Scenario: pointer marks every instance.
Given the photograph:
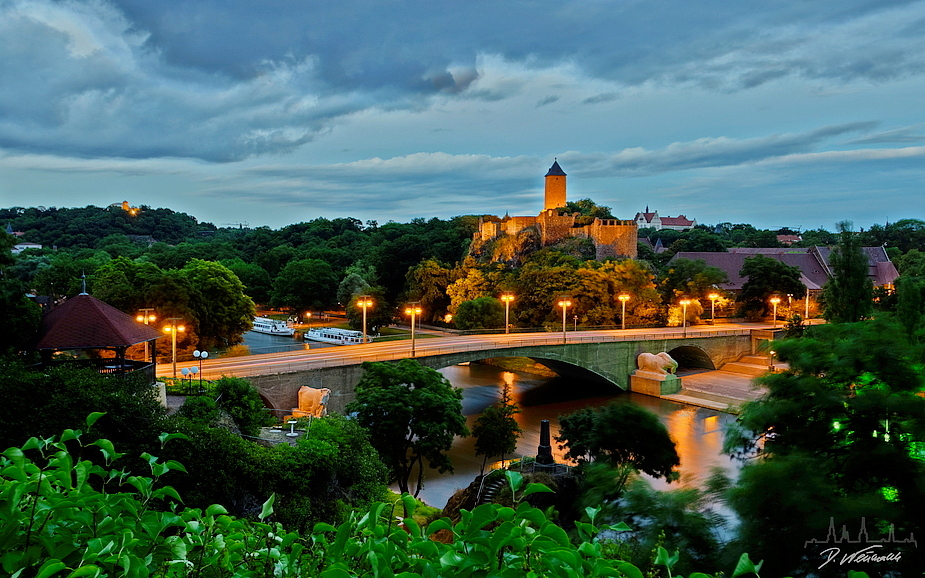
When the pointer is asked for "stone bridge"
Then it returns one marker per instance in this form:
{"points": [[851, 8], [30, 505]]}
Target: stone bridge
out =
{"points": [[610, 359]]}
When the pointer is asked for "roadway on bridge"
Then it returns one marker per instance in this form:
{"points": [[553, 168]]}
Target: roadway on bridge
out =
{"points": [[302, 360]]}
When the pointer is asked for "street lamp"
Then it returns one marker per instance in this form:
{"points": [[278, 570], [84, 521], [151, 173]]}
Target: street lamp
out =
{"points": [[623, 297], [365, 301], [564, 303], [200, 355], [774, 302], [172, 329], [684, 304], [507, 298], [713, 297], [145, 316], [413, 309]]}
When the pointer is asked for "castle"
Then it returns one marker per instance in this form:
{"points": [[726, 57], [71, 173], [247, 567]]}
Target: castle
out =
{"points": [[611, 237]]}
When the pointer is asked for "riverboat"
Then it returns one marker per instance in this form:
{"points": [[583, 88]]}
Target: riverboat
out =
{"points": [[272, 327], [335, 335]]}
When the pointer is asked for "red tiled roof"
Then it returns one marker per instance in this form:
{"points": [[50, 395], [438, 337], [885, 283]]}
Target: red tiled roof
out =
{"points": [[85, 322], [679, 221]]}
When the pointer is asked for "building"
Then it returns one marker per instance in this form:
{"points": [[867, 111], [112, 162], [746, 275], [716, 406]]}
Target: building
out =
{"points": [[813, 263], [652, 220], [611, 237]]}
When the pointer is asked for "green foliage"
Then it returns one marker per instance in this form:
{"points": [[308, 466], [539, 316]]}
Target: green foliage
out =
{"points": [[199, 409], [842, 423], [21, 317], [496, 430], [767, 277], [381, 314], [236, 396], [910, 306], [42, 402], [306, 284], [482, 312], [256, 280], [691, 279], [427, 283], [848, 294], [412, 414], [625, 436], [221, 308], [55, 519]]}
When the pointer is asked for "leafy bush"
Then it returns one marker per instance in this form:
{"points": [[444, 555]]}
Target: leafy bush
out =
{"points": [[55, 520], [200, 409], [236, 396]]}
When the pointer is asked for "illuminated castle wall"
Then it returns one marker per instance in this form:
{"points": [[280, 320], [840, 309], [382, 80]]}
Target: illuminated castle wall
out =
{"points": [[611, 237]]}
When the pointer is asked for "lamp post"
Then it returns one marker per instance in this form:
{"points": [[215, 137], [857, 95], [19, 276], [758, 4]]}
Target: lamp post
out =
{"points": [[413, 309], [145, 316], [623, 297], [774, 302], [713, 297], [365, 301], [200, 355], [172, 329], [684, 304], [507, 298], [564, 303]]}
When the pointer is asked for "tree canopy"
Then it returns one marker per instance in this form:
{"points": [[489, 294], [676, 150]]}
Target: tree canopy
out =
{"points": [[767, 277], [848, 294], [412, 414]]}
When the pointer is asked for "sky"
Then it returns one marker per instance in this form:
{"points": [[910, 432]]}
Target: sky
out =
{"points": [[778, 113]]}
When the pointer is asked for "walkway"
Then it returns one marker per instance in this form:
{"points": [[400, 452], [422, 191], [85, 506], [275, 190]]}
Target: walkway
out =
{"points": [[724, 389]]}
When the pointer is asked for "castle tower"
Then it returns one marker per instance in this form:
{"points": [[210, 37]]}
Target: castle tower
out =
{"points": [[555, 187]]}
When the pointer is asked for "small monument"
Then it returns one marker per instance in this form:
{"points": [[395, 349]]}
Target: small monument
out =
{"points": [[655, 375], [312, 402], [544, 451]]}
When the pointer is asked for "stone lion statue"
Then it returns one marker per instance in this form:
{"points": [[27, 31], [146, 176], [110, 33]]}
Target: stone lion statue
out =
{"points": [[656, 362]]}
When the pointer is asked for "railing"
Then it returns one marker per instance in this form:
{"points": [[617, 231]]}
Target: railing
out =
{"points": [[111, 366]]}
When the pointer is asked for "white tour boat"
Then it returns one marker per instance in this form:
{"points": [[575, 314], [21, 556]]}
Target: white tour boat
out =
{"points": [[272, 327], [335, 335]]}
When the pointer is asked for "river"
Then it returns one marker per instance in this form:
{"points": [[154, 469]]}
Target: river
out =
{"points": [[698, 432]]}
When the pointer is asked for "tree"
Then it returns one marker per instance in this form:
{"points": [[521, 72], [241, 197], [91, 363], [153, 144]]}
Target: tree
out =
{"points": [[350, 286], [848, 294], [481, 313], [21, 317], [380, 314], [496, 431], [767, 277], [303, 285], [412, 414], [838, 435], [256, 280], [428, 282], [223, 312], [625, 436], [689, 278]]}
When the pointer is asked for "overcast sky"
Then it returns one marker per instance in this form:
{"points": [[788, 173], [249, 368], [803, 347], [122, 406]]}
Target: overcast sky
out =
{"points": [[271, 112]]}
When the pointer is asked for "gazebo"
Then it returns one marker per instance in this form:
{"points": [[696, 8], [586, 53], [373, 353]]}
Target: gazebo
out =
{"points": [[84, 322]]}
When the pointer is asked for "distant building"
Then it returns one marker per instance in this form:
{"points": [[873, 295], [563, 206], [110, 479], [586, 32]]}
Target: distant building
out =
{"points": [[611, 237], [813, 263], [788, 239], [20, 247], [652, 220]]}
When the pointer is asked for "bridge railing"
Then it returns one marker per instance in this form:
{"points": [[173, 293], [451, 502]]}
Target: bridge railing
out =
{"points": [[427, 348]]}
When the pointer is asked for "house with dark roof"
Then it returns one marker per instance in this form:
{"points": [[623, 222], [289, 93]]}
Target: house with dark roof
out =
{"points": [[813, 263], [652, 220]]}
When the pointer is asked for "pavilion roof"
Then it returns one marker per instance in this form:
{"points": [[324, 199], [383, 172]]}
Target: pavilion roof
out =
{"points": [[85, 322]]}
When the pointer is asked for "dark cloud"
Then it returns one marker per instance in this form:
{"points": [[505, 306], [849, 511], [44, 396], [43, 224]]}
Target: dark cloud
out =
{"points": [[548, 100], [601, 98], [223, 80], [909, 134]]}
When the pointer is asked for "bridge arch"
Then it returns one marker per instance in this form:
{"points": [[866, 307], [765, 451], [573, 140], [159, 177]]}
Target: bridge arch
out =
{"points": [[691, 357]]}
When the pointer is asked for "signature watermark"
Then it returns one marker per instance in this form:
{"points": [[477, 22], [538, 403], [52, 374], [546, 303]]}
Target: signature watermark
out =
{"points": [[862, 549]]}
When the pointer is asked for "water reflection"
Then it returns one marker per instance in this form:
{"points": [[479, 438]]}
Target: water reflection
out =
{"points": [[696, 431]]}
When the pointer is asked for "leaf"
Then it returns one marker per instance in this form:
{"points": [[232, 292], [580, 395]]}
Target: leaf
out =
{"points": [[267, 509], [746, 566], [51, 567], [216, 510], [88, 570], [629, 570], [514, 480], [437, 525], [536, 489], [69, 434], [93, 417], [166, 437], [592, 513]]}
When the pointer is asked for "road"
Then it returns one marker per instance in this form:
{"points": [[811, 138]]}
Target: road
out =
{"points": [[286, 362]]}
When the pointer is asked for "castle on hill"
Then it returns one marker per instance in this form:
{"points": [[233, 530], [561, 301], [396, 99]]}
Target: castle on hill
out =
{"points": [[611, 237]]}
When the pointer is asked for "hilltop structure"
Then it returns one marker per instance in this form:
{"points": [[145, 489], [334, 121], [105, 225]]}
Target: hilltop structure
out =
{"points": [[611, 237], [654, 221]]}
